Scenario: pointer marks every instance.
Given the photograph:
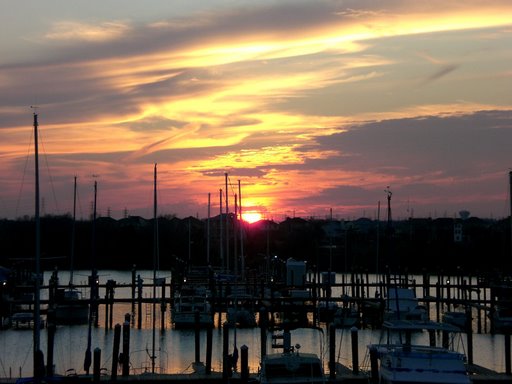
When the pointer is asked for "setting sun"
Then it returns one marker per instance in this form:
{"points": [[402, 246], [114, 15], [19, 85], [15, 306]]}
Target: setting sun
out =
{"points": [[251, 217]]}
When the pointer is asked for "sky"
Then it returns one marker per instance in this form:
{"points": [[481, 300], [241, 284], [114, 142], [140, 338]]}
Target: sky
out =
{"points": [[311, 108]]}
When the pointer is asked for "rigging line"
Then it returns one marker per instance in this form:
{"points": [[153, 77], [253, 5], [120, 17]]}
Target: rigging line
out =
{"points": [[3, 367], [233, 191], [24, 173], [49, 173], [29, 350], [339, 346]]}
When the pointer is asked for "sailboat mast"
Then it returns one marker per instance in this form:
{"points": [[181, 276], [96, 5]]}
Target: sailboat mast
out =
{"points": [[208, 231], [37, 314], [71, 267], [227, 222], [242, 256], [155, 266], [221, 232]]}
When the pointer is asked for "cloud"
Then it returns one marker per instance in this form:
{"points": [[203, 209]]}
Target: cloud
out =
{"points": [[79, 31], [306, 100]]}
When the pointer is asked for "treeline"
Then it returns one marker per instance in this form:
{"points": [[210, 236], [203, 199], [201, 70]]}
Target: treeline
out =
{"points": [[415, 245]]}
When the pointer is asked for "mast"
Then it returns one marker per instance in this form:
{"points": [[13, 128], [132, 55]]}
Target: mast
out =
{"points": [[93, 310], [155, 266], [208, 232], [221, 234], [242, 257], [227, 222], [37, 311], [73, 236], [235, 247], [510, 197]]}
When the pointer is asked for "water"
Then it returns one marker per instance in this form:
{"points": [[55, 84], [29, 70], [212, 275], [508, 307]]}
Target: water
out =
{"points": [[175, 348]]}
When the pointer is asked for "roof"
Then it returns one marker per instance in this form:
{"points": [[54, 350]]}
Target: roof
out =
{"points": [[411, 325]]}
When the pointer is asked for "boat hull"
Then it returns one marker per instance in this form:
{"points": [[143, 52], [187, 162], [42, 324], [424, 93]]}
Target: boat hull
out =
{"points": [[69, 314]]}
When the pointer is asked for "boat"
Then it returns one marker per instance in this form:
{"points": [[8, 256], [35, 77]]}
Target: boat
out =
{"points": [[70, 307], [400, 361], [501, 318], [190, 302], [22, 320], [290, 366], [326, 310], [457, 318], [402, 304], [346, 317], [240, 311]]}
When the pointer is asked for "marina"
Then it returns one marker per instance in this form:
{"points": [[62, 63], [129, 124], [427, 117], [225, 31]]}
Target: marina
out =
{"points": [[183, 351]]}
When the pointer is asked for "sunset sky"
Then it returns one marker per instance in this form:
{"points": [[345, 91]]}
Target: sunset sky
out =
{"points": [[311, 105]]}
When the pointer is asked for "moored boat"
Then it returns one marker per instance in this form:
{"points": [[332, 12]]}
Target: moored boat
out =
{"points": [[192, 308], [402, 304], [70, 307], [346, 317], [291, 366], [240, 311], [457, 318], [401, 361]]}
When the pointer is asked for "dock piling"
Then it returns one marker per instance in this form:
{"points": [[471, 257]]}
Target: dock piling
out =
{"points": [[332, 352], [209, 341], [115, 352], [226, 366], [197, 335], [96, 365], [126, 346], [244, 360], [355, 350]]}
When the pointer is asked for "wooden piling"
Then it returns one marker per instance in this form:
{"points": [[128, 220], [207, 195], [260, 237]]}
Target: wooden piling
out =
{"points": [[226, 363], [508, 369], [139, 301], [263, 319], [197, 336], [51, 327], [355, 350], [163, 307], [469, 334], [134, 285], [209, 342], [244, 360], [96, 365], [126, 346], [115, 352], [332, 352], [374, 365]]}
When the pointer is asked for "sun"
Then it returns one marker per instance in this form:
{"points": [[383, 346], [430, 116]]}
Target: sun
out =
{"points": [[251, 217]]}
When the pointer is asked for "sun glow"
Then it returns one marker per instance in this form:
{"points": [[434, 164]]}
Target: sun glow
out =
{"points": [[251, 217]]}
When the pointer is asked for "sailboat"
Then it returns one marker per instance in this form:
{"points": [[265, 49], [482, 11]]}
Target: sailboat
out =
{"points": [[71, 307], [39, 368]]}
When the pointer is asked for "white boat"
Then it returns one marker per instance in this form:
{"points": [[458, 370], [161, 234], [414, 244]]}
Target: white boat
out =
{"points": [[291, 366], [346, 317], [457, 318], [189, 303], [401, 361], [402, 304], [501, 319]]}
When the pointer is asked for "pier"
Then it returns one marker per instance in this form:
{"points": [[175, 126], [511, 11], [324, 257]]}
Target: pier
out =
{"points": [[477, 295]]}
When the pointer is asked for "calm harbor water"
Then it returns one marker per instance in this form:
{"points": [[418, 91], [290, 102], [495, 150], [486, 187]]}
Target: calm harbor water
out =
{"points": [[175, 348]]}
